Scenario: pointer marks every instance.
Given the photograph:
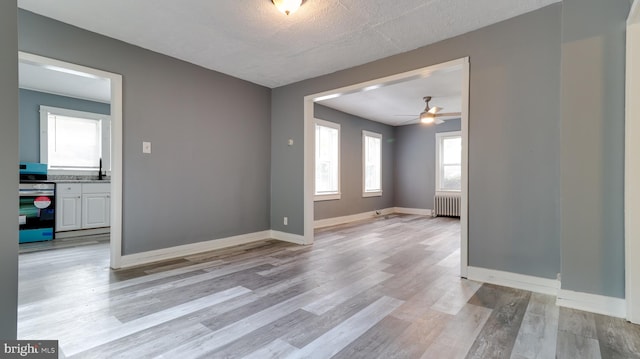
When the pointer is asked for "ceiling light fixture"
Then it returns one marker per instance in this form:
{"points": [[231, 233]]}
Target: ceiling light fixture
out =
{"points": [[287, 6]]}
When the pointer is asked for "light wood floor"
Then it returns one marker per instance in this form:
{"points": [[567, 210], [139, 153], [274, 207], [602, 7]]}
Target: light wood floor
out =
{"points": [[386, 288], [63, 243]]}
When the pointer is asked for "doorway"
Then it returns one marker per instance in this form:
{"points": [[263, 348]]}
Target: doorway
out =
{"points": [[309, 150], [115, 81]]}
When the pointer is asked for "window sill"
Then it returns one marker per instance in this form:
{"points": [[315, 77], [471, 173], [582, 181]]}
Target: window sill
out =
{"points": [[372, 194], [326, 197], [448, 191]]}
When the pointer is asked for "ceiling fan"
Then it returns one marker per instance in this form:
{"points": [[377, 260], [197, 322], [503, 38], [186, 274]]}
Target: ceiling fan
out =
{"points": [[431, 114]]}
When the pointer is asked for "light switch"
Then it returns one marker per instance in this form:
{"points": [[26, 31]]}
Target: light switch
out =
{"points": [[146, 147], [290, 142]]}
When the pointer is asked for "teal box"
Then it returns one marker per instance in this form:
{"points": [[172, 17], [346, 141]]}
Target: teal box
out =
{"points": [[35, 235], [33, 168]]}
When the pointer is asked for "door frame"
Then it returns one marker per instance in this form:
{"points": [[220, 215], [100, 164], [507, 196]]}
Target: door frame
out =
{"points": [[309, 146], [632, 166], [116, 144]]}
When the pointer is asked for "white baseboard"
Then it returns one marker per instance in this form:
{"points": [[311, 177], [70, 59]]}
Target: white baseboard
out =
{"points": [[328, 222], [417, 211], [514, 280], [615, 307], [83, 232], [288, 237], [132, 260], [320, 223]]}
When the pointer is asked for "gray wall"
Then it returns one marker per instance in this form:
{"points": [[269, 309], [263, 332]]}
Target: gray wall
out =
{"points": [[415, 162], [351, 201], [8, 169], [514, 139], [30, 102], [208, 176], [593, 82]]}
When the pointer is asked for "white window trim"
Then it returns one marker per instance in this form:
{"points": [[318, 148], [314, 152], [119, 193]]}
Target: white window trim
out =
{"points": [[44, 138], [330, 196], [439, 137], [365, 193]]}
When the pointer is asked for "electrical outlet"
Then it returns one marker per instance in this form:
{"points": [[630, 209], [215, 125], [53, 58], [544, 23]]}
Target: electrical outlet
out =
{"points": [[286, 221]]}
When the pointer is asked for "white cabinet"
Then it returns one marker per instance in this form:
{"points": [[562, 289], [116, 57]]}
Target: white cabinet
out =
{"points": [[68, 207], [95, 210], [96, 205], [83, 206]]}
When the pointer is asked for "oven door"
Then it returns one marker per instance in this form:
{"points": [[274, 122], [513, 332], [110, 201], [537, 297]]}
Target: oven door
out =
{"points": [[37, 212]]}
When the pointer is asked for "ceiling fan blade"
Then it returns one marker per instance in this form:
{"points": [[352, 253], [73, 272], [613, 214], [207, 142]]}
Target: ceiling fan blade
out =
{"points": [[435, 109], [448, 114], [438, 121]]}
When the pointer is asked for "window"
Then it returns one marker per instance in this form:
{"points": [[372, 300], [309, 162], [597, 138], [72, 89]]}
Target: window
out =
{"points": [[327, 160], [371, 164], [448, 161], [74, 141]]}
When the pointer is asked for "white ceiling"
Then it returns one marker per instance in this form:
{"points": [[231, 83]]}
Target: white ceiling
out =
{"points": [[251, 40], [401, 103], [61, 82]]}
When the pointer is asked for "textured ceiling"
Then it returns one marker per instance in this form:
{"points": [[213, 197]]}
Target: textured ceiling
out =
{"points": [[251, 40]]}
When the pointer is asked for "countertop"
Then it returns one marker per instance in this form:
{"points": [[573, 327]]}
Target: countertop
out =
{"points": [[79, 181]]}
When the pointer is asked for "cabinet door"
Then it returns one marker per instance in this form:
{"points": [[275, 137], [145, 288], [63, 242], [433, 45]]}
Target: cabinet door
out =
{"points": [[95, 210], [68, 213]]}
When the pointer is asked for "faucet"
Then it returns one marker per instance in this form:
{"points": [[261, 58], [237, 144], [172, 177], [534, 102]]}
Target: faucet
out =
{"points": [[100, 170]]}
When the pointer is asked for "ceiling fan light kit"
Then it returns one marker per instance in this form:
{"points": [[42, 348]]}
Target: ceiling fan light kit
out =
{"points": [[427, 117], [287, 6]]}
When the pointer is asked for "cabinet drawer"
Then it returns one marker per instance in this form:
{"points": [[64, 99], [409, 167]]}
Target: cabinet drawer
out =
{"points": [[68, 188], [96, 188]]}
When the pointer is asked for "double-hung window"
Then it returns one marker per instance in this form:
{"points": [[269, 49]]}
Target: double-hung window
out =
{"points": [[74, 141], [448, 161], [371, 164], [327, 157]]}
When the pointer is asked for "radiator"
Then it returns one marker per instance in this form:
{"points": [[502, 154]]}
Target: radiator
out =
{"points": [[446, 205]]}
